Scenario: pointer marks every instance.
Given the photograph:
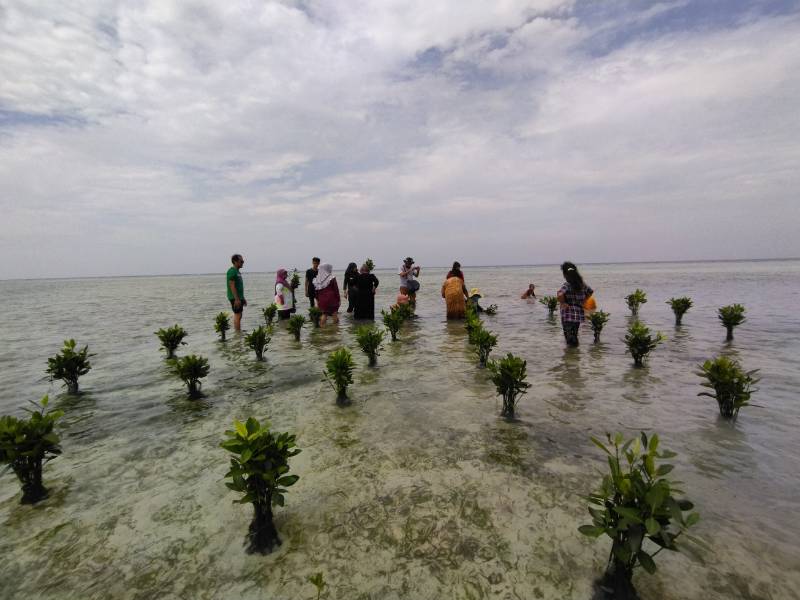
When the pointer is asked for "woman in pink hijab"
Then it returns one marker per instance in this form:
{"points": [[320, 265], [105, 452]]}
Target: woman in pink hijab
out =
{"points": [[284, 295], [327, 293]]}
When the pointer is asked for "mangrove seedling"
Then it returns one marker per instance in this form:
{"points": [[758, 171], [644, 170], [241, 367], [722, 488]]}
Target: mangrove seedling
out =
{"points": [[406, 311], [731, 316], [483, 341], [598, 320], [635, 506], [508, 375], [295, 325], [314, 315], [269, 313], [679, 307], [370, 338], [26, 444], [295, 281], [257, 340], [191, 369], [339, 373], [640, 341], [491, 310], [171, 338], [68, 365], [370, 265], [392, 320], [472, 322], [635, 300], [259, 470], [318, 581], [731, 384], [222, 324], [551, 302]]}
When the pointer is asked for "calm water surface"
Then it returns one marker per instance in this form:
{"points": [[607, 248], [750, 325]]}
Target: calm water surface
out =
{"points": [[418, 490]]}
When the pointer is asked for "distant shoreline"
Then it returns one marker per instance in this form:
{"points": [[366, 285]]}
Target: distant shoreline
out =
{"points": [[538, 265]]}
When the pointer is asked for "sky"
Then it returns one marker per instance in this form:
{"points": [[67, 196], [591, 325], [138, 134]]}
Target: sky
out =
{"points": [[161, 137]]}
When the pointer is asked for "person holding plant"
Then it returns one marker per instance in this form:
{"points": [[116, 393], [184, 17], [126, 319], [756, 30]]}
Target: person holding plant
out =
{"points": [[235, 289], [284, 295], [366, 284], [310, 274], [571, 296], [326, 290], [455, 294], [348, 285]]}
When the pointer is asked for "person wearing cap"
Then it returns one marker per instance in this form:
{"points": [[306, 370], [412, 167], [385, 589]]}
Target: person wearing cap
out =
{"points": [[455, 293], [408, 278], [474, 297]]}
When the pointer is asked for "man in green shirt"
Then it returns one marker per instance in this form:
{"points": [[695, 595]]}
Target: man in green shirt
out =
{"points": [[235, 287]]}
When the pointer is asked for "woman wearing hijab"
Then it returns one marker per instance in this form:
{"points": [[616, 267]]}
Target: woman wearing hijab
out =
{"points": [[284, 295], [365, 287], [571, 297], [327, 293], [348, 285]]}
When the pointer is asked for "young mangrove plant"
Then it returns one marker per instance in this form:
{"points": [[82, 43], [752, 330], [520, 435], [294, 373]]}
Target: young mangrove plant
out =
{"points": [[370, 338], [483, 341], [636, 507], [472, 323], [269, 313], [679, 307], [191, 369], [257, 340], [314, 315], [491, 310], [295, 281], [509, 377], [295, 325], [598, 320], [551, 302], [392, 320], [406, 311], [731, 384], [640, 341], [635, 300], [259, 470], [26, 444], [318, 580], [339, 373], [171, 338], [222, 324], [69, 365], [731, 316]]}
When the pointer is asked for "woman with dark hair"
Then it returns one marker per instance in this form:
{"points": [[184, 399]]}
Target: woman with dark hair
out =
{"points": [[455, 293], [456, 271], [364, 300], [349, 285], [571, 297]]}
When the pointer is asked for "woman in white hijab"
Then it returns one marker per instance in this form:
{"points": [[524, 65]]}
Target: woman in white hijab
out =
{"points": [[327, 294]]}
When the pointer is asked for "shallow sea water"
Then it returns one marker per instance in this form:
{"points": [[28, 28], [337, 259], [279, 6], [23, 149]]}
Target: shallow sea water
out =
{"points": [[418, 490]]}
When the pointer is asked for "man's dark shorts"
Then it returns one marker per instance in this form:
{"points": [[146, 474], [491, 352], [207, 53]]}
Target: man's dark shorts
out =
{"points": [[237, 311]]}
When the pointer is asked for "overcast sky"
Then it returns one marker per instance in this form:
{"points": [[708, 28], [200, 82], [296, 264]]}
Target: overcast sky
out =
{"points": [[160, 137]]}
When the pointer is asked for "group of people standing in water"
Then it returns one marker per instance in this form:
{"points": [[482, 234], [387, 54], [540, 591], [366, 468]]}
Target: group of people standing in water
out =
{"points": [[360, 285]]}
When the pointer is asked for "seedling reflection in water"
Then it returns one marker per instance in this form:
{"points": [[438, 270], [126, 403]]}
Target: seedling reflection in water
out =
{"points": [[69, 365], [191, 369], [339, 373], [509, 377], [551, 302], [295, 325], [370, 338], [641, 341], [257, 340], [26, 444], [731, 384], [171, 338], [222, 324], [635, 504], [635, 300], [269, 313], [679, 307], [731, 316], [598, 320], [259, 470]]}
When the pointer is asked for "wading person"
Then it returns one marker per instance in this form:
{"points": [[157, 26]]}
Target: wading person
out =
{"points": [[455, 295], [235, 288], [474, 299], [365, 288], [408, 273], [571, 296], [327, 291], [530, 293], [310, 274], [284, 295], [456, 271], [349, 283]]}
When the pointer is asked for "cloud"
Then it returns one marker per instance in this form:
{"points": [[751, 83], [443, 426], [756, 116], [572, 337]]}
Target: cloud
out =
{"points": [[504, 133]]}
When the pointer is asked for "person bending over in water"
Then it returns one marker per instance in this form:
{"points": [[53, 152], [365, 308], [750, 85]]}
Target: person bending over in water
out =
{"points": [[530, 293], [571, 296]]}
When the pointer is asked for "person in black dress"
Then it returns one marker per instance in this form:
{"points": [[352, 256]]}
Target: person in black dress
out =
{"points": [[349, 283], [366, 284]]}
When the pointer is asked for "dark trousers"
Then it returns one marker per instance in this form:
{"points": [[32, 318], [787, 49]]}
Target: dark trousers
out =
{"points": [[571, 332]]}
